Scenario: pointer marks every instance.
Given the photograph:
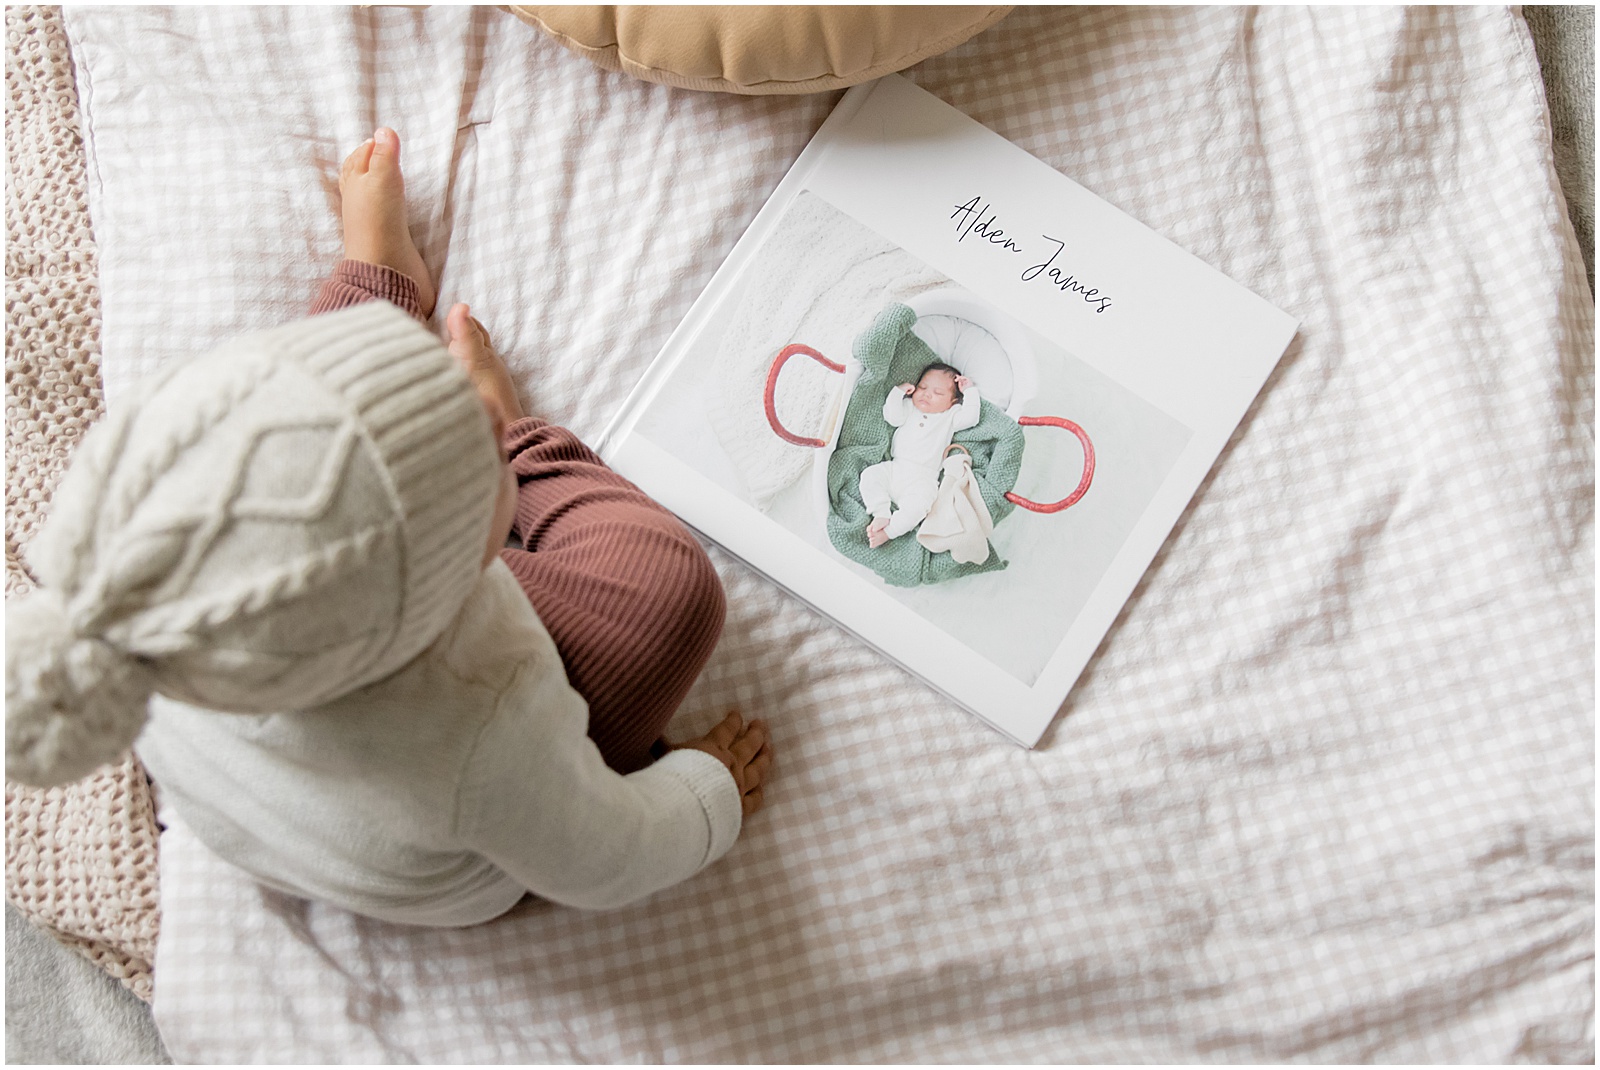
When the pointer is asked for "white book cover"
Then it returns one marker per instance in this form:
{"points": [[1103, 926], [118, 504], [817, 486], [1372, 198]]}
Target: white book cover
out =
{"points": [[949, 398]]}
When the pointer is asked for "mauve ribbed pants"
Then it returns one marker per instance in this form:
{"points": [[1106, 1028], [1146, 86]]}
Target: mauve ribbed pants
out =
{"points": [[628, 595]]}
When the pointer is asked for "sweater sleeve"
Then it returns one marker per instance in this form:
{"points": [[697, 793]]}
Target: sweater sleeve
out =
{"points": [[970, 410], [894, 407], [541, 804]]}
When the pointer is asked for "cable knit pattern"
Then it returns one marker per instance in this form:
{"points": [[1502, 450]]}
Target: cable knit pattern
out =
{"points": [[302, 510], [176, 627], [80, 860], [266, 527], [206, 413]]}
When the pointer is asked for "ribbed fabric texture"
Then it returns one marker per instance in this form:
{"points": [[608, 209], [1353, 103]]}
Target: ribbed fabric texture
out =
{"points": [[708, 778], [270, 525], [354, 282], [430, 431], [630, 598]]}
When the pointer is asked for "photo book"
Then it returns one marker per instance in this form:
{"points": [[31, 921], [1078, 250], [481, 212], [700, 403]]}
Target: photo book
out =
{"points": [[949, 398]]}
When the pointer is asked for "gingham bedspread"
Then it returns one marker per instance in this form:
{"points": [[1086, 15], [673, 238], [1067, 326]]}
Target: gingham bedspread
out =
{"points": [[1325, 792]]}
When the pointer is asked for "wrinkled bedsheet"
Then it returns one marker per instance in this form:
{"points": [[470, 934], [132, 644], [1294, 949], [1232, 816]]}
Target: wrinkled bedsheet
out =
{"points": [[1326, 790]]}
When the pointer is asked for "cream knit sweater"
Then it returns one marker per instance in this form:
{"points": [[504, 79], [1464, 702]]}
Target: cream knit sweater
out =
{"points": [[443, 793]]}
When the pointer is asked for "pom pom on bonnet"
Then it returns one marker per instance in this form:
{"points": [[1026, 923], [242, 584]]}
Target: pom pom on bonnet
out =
{"points": [[293, 516]]}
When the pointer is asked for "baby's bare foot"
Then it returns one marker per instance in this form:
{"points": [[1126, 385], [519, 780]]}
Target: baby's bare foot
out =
{"points": [[469, 344], [876, 535], [373, 193]]}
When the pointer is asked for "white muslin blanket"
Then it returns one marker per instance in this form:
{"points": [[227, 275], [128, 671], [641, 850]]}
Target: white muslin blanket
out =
{"points": [[1326, 790], [819, 279], [959, 522]]}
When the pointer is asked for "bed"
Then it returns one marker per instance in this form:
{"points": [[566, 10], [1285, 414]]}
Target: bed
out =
{"points": [[1326, 791]]}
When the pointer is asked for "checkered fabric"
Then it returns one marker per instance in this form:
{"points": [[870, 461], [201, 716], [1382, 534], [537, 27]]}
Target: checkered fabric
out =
{"points": [[1325, 792]]}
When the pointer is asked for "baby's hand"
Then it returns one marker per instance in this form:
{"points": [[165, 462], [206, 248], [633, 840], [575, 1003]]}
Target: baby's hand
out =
{"points": [[908, 388], [745, 749], [964, 383]]}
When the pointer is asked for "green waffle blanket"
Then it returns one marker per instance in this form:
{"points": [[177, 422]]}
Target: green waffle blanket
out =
{"points": [[889, 353]]}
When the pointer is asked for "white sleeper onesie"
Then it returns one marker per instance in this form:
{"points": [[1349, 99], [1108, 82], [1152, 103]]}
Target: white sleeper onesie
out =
{"points": [[910, 478]]}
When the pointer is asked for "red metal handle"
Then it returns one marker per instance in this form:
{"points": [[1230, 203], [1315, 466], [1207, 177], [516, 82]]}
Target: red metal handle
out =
{"points": [[1088, 465], [771, 396]]}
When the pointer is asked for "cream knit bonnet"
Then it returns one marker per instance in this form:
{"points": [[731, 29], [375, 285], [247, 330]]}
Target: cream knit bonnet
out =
{"points": [[293, 516]]}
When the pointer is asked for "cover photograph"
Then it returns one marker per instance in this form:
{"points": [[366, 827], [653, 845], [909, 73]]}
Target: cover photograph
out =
{"points": [[949, 398]]}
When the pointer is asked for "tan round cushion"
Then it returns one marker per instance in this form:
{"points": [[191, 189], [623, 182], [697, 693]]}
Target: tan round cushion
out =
{"points": [[759, 49]]}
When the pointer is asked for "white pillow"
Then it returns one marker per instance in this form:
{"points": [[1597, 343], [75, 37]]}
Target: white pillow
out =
{"points": [[967, 346]]}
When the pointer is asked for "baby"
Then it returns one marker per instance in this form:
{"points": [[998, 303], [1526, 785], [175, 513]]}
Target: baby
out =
{"points": [[283, 568], [926, 417]]}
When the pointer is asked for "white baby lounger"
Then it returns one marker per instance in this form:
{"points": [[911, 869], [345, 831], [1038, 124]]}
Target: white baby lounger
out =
{"points": [[988, 346]]}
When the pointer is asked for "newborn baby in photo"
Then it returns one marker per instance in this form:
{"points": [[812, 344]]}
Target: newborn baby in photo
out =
{"points": [[900, 491]]}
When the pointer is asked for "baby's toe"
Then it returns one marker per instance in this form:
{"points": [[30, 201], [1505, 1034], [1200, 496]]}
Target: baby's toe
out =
{"points": [[356, 162], [385, 153], [466, 339]]}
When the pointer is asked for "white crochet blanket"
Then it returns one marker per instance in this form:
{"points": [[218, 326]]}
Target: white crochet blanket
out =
{"points": [[790, 296], [1326, 791]]}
